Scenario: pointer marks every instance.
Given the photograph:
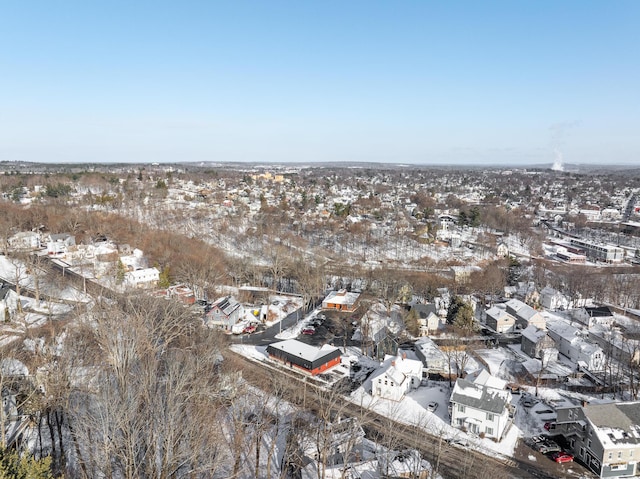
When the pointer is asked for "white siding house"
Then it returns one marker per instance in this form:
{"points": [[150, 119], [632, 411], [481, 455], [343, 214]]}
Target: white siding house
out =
{"points": [[480, 408], [396, 377]]}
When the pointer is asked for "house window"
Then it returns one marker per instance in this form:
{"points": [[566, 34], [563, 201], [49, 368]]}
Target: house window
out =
{"points": [[589, 443], [391, 383], [620, 455], [489, 431], [489, 416], [610, 456], [460, 422], [460, 408], [631, 453], [386, 382]]}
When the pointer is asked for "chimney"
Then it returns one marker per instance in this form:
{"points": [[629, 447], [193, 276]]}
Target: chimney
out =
{"points": [[393, 363], [584, 403], [404, 355]]}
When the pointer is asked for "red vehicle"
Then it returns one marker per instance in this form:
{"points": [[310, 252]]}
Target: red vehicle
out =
{"points": [[549, 426], [249, 329], [309, 330], [562, 456]]}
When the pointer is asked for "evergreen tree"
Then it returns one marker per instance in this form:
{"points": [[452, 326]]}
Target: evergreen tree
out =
{"points": [[14, 466]]}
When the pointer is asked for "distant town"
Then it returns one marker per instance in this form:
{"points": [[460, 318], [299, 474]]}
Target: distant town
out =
{"points": [[320, 320]]}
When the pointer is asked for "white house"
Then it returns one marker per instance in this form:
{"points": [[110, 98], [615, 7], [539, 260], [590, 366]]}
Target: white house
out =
{"points": [[553, 299], [396, 377], [593, 316], [480, 407], [8, 303], [428, 319], [142, 278], [573, 343], [59, 244], [24, 240]]}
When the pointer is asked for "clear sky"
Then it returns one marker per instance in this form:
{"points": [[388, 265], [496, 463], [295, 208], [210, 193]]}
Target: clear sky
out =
{"points": [[512, 82]]}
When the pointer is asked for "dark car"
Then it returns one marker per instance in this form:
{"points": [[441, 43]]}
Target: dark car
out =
{"points": [[309, 330]]}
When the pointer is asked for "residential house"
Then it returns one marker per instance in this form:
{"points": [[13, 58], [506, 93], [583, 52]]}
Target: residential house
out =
{"points": [[592, 316], [303, 356], [525, 315], [553, 299], [604, 437], [428, 318], [341, 300], [142, 278], [499, 320], [397, 376], [24, 241], [224, 313], [573, 343], [536, 343], [502, 250], [8, 303], [59, 244], [481, 407], [434, 361]]}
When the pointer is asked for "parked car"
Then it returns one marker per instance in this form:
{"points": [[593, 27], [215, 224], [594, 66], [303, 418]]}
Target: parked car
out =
{"points": [[458, 442], [432, 406], [309, 330], [249, 329], [562, 456], [549, 426], [528, 401], [545, 445]]}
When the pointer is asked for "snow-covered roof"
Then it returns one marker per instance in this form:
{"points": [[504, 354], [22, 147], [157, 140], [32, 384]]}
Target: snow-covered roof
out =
{"points": [[480, 397], [341, 297], [533, 334], [305, 351], [616, 423], [486, 379]]}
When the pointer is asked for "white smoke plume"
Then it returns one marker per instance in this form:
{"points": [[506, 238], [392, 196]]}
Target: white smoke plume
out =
{"points": [[557, 163]]}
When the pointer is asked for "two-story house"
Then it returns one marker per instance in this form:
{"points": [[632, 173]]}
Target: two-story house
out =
{"points": [[433, 359], [525, 315], [396, 377], [224, 313], [536, 343], [604, 437], [428, 319], [593, 316], [481, 408], [573, 343], [499, 320]]}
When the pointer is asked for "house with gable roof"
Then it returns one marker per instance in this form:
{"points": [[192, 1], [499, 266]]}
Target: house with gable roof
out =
{"points": [[536, 343], [604, 437], [224, 313], [482, 406], [525, 314], [575, 345], [499, 320], [553, 299], [397, 376], [593, 316], [428, 319], [434, 360]]}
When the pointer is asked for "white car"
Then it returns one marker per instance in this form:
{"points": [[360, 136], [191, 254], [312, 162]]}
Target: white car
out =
{"points": [[432, 406]]}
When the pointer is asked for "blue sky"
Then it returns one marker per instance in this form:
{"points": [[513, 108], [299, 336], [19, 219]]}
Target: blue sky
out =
{"points": [[396, 81]]}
